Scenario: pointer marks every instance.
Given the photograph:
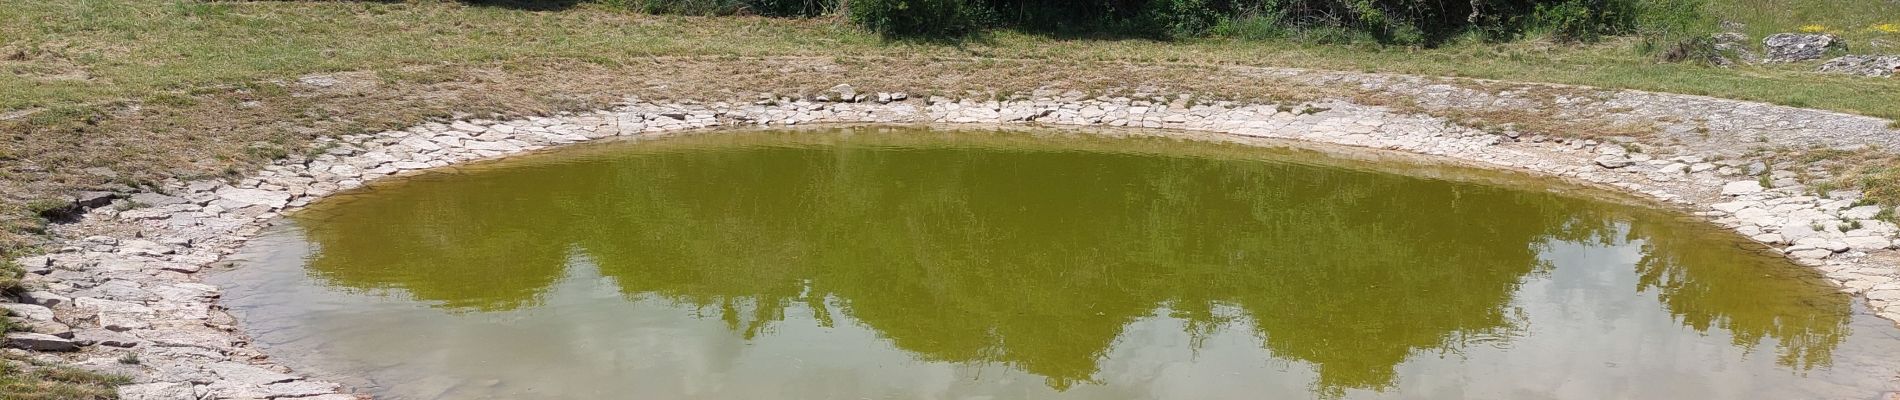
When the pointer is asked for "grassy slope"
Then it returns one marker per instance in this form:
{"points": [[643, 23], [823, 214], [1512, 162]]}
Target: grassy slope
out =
{"points": [[97, 50], [1860, 22]]}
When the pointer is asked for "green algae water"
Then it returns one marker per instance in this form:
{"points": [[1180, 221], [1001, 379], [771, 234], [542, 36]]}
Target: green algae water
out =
{"points": [[912, 263]]}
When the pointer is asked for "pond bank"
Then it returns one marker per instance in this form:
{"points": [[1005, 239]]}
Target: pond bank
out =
{"points": [[124, 280]]}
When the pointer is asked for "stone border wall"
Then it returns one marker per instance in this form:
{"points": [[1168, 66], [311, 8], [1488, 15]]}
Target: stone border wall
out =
{"points": [[124, 282]]}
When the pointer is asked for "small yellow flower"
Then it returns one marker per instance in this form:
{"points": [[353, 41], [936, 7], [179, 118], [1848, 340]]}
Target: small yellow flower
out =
{"points": [[1887, 27], [1813, 28]]}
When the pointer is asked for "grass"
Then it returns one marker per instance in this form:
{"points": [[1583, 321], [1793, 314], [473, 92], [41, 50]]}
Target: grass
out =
{"points": [[1860, 22], [9, 281], [64, 51], [1875, 172], [25, 380], [22, 379]]}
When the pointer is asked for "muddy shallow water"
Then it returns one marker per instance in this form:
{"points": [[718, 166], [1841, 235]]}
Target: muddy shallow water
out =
{"points": [[909, 263]]}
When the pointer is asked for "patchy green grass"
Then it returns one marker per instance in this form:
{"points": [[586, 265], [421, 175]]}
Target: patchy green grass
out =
{"points": [[24, 380], [94, 51], [1861, 22], [1873, 171], [9, 281]]}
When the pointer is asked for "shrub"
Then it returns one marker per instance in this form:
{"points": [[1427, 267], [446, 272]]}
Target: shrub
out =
{"points": [[1184, 18], [1669, 18], [1699, 50], [1252, 27], [1572, 21], [918, 18], [1415, 22], [792, 8], [1406, 22], [771, 8]]}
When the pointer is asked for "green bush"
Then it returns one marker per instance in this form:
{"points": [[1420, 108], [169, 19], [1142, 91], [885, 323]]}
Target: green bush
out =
{"points": [[1185, 18], [1572, 21], [1402, 22], [793, 8], [918, 18], [1670, 18], [1252, 27], [772, 8]]}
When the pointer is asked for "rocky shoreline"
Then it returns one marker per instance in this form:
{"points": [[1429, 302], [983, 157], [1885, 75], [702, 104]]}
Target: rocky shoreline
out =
{"points": [[121, 294]]}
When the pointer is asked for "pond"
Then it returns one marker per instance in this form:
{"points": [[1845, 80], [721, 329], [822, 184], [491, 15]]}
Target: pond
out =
{"points": [[921, 263]]}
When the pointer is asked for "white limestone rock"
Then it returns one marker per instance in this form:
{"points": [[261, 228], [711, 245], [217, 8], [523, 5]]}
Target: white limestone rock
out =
{"points": [[28, 311], [44, 298], [1738, 188], [255, 197], [145, 248], [157, 391], [1868, 243], [420, 144], [248, 374], [103, 337], [39, 342], [1862, 212], [1811, 254]]}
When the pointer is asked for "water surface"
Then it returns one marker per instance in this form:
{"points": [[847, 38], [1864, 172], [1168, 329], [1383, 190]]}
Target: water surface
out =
{"points": [[864, 263]]}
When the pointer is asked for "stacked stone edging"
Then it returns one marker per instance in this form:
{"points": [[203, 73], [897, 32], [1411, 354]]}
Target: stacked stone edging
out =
{"points": [[125, 281], [1704, 124]]}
